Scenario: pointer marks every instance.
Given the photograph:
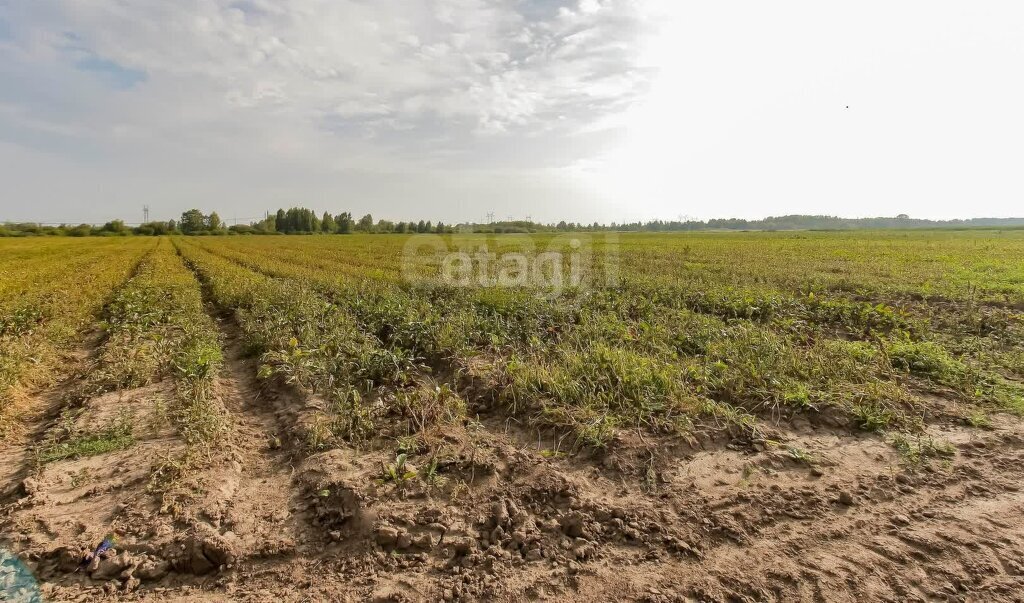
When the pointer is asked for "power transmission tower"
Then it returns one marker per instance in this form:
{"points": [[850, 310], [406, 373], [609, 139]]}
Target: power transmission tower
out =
{"points": [[490, 217], [145, 213]]}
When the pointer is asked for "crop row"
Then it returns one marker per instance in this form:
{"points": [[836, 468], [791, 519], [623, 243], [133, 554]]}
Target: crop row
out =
{"points": [[983, 266], [655, 353], [307, 341], [41, 323], [684, 336], [156, 327]]}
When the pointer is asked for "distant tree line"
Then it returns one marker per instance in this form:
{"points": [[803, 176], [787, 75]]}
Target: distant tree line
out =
{"points": [[794, 222], [114, 228], [803, 222], [296, 220], [300, 220]]}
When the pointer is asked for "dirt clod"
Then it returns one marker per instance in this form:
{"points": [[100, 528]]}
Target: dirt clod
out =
{"points": [[387, 536]]}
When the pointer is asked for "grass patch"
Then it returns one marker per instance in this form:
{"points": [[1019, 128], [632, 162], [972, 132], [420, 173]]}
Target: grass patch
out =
{"points": [[872, 417], [916, 450], [926, 359], [117, 435]]}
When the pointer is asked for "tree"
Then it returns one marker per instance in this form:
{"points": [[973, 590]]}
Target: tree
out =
{"points": [[115, 227], [82, 230], [192, 221], [154, 228], [365, 224], [327, 224], [439, 229], [421, 226], [213, 222], [345, 223], [268, 224], [402, 227]]}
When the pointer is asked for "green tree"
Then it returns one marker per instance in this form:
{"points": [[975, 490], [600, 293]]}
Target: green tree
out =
{"points": [[268, 224], [365, 223], [327, 224], [82, 230], [192, 221], [116, 227], [345, 223], [213, 222], [153, 228]]}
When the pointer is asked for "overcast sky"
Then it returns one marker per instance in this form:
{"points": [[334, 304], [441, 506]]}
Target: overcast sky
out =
{"points": [[580, 110]]}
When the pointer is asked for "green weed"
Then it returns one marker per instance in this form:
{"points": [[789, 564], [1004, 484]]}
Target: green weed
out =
{"points": [[117, 435], [919, 449], [397, 473]]}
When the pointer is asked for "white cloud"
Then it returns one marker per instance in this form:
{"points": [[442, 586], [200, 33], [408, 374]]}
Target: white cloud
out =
{"points": [[575, 109], [258, 66]]}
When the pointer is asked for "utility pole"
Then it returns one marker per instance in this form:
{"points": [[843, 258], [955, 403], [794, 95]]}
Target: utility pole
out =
{"points": [[145, 214]]}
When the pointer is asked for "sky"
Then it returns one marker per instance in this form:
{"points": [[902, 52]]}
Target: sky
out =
{"points": [[576, 110]]}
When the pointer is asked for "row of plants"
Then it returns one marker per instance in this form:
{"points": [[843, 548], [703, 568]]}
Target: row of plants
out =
{"points": [[56, 300], [157, 327], [304, 339], [986, 339], [667, 344]]}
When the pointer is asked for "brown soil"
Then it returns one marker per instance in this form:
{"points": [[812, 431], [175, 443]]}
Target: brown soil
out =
{"points": [[808, 513]]}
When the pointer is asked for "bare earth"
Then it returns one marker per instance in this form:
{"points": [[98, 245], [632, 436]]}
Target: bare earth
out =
{"points": [[811, 512]]}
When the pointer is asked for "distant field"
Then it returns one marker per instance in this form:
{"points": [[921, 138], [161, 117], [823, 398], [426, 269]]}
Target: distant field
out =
{"points": [[439, 384], [740, 326]]}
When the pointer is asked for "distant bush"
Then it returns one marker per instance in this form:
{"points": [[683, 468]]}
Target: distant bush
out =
{"points": [[82, 230]]}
